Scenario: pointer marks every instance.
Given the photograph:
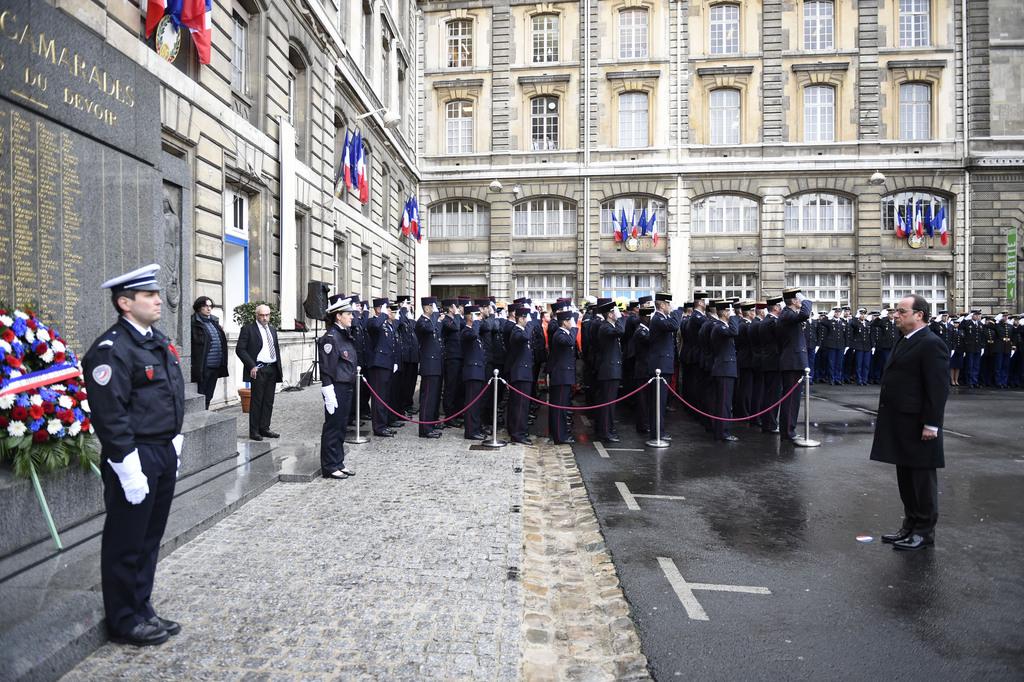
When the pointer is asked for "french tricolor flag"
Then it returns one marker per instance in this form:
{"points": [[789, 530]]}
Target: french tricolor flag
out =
{"points": [[414, 218], [198, 16], [155, 11]]}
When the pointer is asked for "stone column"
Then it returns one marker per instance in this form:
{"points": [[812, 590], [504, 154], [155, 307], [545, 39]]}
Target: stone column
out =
{"points": [[867, 70], [867, 284], [771, 76], [679, 271], [501, 76], [500, 283], [773, 242]]}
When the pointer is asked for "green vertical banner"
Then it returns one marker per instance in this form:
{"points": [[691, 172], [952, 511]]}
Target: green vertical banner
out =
{"points": [[1011, 265]]}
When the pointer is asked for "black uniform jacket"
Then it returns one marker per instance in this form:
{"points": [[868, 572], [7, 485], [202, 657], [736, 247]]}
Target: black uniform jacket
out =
{"points": [[609, 351], [790, 338], [338, 356], [473, 355], [723, 344], [519, 366], [428, 333], [561, 362]]}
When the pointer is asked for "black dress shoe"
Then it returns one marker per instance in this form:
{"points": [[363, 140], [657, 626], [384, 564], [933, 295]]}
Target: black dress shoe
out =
{"points": [[612, 439], [255, 436], [143, 634], [457, 423], [730, 439], [901, 534], [169, 625], [334, 475], [384, 434], [477, 436], [270, 434], [431, 434], [396, 424], [523, 441], [914, 542]]}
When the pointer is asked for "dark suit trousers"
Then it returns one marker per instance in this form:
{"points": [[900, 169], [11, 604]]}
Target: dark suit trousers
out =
{"points": [[770, 394], [724, 387], [332, 435], [471, 417], [604, 420], [131, 538], [558, 429], [878, 364], [790, 409], [261, 405], [452, 386], [409, 371], [744, 390], [756, 393], [919, 490], [430, 398], [518, 409], [380, 379]]}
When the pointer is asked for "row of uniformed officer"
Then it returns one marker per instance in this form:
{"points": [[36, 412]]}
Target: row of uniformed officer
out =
{"points": [[338, 357]]}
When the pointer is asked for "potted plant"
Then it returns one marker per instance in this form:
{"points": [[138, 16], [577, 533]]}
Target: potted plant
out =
{"points": [[246, 314]]}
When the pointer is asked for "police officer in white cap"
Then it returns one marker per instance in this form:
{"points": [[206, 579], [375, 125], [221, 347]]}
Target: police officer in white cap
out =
{"points": [[337, 353], [137, 396]]}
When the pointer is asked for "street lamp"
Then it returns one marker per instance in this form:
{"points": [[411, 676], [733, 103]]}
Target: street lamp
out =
{"points": [[391, 119], [877, 178]]}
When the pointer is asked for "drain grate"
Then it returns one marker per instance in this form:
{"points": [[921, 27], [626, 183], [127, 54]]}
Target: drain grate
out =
{"points": [[513, 573], [515, 509]]}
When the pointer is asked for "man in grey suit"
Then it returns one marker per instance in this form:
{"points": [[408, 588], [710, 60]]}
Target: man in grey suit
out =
{"points": [[908, 430]]}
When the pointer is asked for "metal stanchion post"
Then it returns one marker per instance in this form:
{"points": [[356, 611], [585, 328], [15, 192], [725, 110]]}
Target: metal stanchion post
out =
{"points": [[358, 439], [806, 441], [494, 442], [657, 442]]}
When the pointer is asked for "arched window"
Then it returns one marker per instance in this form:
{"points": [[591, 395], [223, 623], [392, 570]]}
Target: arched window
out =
{"points": [[819, 25], [819, 212], [544, 123], [901, 209], [633, 34], [634, 206], [725, 116], [298, 101], [725, 29], [545, 217], [545, 38], [459, 219], [819, 113], [459, 127], [460, 43], [915, 111], [633, 120], [725, 213]]}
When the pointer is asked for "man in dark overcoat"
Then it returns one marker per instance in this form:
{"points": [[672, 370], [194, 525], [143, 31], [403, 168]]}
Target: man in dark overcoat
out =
{"points": [[908, 430]]}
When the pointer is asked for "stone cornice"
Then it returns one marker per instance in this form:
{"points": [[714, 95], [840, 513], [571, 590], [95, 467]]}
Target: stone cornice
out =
{"points": [[534, 80], [707, 71], [821, 66], [917, 64], [629, 75]]}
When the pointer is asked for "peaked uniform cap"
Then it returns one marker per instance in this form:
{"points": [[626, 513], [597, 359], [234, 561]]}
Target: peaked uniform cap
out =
{"points": [[563, 315], [662, 296], [774, 300], [342, 305], [469, 309], [428, 300], [142, 279], [645, 299], [378, 302]]}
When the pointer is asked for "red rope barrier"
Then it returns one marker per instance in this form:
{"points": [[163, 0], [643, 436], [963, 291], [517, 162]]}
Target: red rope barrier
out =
{"points": [[438, 421], [573, 407], [735, 419]]}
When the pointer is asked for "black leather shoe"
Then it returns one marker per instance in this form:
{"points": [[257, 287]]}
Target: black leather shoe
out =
{"points": [[730, 439], [914, 542], [255, 436], [457, 423], [523, 441], [477, 436], [384, 434], [901, 534], [169, 625], [431, 434], [334, 475], [612, 439], [143, 634], [270, 434], [397, 424]]}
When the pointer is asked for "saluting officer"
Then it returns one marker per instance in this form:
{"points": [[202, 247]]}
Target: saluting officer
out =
{"points": [[970, 331], [428, 334], [661, 352], [520, 375], [724, 331], [860, 343], [409, 354], [137, 393], [744, 361], [608, 355], [639, 345], [338, 357], [451, 330], [885, 338], [771, 388], [792, 344], [561, 366], [383, 365], [474, 359]]}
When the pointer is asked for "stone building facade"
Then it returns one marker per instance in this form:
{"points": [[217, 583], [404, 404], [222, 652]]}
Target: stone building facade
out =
{"points": [[752, 129], [253, 141]]}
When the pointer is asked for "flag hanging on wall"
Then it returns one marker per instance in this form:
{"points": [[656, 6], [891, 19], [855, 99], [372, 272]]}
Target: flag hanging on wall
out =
{"points": [[346, 154], [414, 218], [197, 15], [940, 221], [652, 227], [406, 222]]}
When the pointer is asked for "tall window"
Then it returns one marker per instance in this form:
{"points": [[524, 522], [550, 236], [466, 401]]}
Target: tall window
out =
{"points": [[631, 287], [459, 127], [725, 116], [915, 111], [341, 264], [546, 217], [819, 212], [611, 213], [542, 289], [819, 26], [545, 38], [298, 102], [827, 290], [544, 123], [724, 213], [633, 119], [727, 285], [239, 48], [633, 34], [459, 219], [819, 113], [290, 96], [385, 197], [914, 23], [368, 41], [385, 276], [460, 43], [725, 29], [931, 285], [897, 207]]}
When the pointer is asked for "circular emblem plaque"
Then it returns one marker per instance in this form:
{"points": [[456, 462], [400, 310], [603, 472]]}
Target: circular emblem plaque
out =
{"points": [[168, 39], [632, 244], [915, 241]]}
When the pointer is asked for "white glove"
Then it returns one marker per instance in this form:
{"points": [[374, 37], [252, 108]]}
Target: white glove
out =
{"points": [[177, 442], [816, 348], [133, 481], [330, 399], [982, 352], [394, 369], [846, 350], [872, 350]]}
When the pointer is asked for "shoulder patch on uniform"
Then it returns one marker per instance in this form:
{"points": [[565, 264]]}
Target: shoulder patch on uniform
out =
{"points": [[328, 348], [105, 343], [101, 374]]}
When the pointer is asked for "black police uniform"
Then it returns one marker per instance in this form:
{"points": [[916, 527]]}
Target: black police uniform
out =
{"points": [[338, 357], [137, 396], [451, 329], [384, 357], [724, 372], [661, 352], [561, 366], [428, 334], [609, 374], [520, 375], [771, 381], [792, 345], [473, 361]]}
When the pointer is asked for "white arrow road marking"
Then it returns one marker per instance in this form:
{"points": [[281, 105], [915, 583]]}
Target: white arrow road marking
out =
{"points": [[684, 590]]}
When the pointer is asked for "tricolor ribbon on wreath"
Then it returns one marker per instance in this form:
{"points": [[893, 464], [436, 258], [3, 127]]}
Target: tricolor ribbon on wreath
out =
{"points": [[54, 374]]}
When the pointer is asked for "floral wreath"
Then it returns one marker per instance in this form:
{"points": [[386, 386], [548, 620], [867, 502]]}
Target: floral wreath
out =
{"points": [[44, 409]]}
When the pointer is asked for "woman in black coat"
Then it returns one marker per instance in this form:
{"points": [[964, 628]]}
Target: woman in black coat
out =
{"points": [[209, 348]]}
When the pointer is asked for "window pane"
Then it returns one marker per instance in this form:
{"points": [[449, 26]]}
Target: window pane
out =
{"points": [[725, 213], [819, 114], [930, 285], [914, 23], [459, 127], [633, 34], [545, 38], [818, 25], [633, 119], [915, 111], [727, 285], [545, 289], [631, 287], [460, 43], [725, 29], [725, 116], [611, 212], [454, 219], [544, 123]]}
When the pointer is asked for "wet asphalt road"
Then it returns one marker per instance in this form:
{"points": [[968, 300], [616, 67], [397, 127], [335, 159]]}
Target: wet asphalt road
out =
{"points": [[761, 514]]}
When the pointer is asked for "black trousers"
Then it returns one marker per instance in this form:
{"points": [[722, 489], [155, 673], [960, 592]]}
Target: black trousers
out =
{"points": [[558, 425], [790, 409], [518, 410], [660, 413], [208, 384], [408, 371], [131, 538], [756, 391], [452, 386], [261, 405], [604, 419], [744, 389], [430, 400], [380, 380], [770, 394], [724, 388], [919, 490], [332, 436], [471, 417]]}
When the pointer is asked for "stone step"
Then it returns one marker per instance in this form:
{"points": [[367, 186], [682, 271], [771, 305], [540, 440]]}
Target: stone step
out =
{"points": [[53, 610], [194, 400]]}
